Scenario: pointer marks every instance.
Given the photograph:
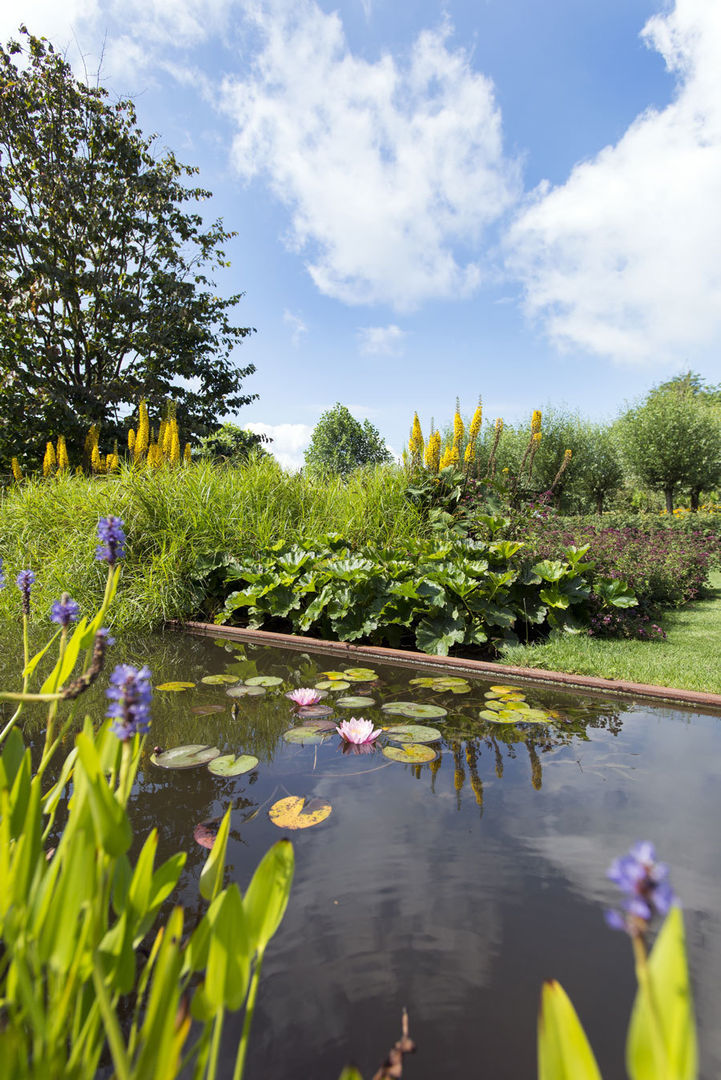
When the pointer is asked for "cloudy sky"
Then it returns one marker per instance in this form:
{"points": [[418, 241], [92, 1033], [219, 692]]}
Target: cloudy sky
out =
{"points": [[493, 197]]}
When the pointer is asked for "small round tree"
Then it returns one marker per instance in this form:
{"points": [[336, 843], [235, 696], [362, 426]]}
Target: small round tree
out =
{"points": [[340, 443]]}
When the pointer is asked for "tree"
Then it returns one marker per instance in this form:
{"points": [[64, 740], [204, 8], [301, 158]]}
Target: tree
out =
{"points": [[232, 444], [105, 293], [598, 470], [340, 443], [673, 440]]}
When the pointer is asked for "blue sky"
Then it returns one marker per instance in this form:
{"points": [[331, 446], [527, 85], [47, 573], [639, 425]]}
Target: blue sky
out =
{"points": [[505, 198]]}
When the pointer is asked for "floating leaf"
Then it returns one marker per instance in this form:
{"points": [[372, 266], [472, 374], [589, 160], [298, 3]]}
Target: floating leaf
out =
{"points": [[443, 684], [412, 733], [216, 680], [175, 687], [245, 691], [496, 704], [332, 684], [334, 675], [534, 716], [319, 725], [304, 735], [410, 754], [206, 710], [504, 689], [296, 812], [360, 674], [206, 832], [314, 712], [185, 757], [355, 702], [487, 714], [414, 710], [230, 765], [264, 680]]}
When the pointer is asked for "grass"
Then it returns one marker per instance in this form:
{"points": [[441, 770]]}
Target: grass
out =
{"points": [[687, 659], [172, 517]]}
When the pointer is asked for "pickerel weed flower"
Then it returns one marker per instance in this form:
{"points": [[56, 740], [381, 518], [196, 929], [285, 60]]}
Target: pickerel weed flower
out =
{"points": [[645, 883], [25, 581], [304, 696], [358, 731], [130, 693], [64, 611], [110, 532], [2, 576]]}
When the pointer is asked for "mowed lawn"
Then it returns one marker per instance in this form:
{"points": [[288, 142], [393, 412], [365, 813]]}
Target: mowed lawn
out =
{"points": [[690, 657]]}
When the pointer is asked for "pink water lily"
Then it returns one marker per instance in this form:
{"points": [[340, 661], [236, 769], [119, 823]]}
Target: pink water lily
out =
{"points": [[358, 730], [305, 696]]}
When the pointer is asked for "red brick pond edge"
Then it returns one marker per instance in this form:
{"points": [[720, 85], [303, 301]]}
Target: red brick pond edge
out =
{"points": [[456, 663]]}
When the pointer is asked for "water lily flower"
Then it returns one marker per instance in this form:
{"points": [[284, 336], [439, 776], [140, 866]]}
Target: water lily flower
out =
{"points": [[358, 731], [645, 883], [304, 696]]}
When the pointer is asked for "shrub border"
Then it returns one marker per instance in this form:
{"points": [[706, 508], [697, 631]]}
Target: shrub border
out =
{"points": [[457, 663]]}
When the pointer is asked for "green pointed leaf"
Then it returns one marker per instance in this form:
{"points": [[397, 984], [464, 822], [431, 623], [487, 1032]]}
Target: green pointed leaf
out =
{"points": [[211, 876], [267, 895], [563, 1049]]}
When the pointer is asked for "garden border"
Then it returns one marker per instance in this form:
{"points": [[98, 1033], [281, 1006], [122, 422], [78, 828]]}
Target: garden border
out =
{"points": [[458, 663]]}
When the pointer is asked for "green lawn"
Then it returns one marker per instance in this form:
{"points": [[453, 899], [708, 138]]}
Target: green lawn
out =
{"points": [[690, 658]]}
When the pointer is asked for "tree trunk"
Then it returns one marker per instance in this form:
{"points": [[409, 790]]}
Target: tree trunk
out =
{"points": [[668, 492], [599, 503], [695, 493]]}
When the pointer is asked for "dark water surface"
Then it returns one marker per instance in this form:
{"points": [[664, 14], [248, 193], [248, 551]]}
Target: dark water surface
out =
{"points": [[452, 888]]}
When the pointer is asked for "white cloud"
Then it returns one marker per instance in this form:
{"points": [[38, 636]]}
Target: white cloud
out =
{"points": [[624, 259], [381, 340], [297, 326], [289, 441], [385, 166]]}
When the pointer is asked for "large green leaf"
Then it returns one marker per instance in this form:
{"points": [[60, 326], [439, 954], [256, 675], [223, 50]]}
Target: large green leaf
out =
{"points": [[438, 634], [211, 876], [563, 1049], [267, 895], [662, 1034]]}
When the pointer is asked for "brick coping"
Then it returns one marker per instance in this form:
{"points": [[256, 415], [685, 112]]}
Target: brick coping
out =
{"points": [[456, 663]]}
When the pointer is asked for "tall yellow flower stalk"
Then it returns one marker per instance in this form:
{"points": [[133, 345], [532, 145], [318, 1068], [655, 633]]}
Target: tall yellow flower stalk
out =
{"points": [[458, 429], [433, 452], [142, 436], [173, 452], [536, 422], [416, 443], [187, 454], [473, 433], [96, 461], [62, 455], [49, 461], [17, 471]]}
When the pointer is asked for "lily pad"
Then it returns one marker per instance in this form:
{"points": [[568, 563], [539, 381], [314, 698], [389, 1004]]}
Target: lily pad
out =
{"points": [[297, 812], [206, 710], [185, 757], [360, 674], [495, 703], [175, 687], [357, 701], [319, 725], [230, 765], [487, 714], [332, 684], [334, 675], [314, 712], [504, 689], [535, 716], [217, 680], [443, 684], [414, 710], [264, 680], [410, 754], [304, 735], [245, 691], [205, 833], [413, 733]]}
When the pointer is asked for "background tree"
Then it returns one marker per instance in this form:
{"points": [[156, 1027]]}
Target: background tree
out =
{"points": [[672, 440], [340, 443], [105, 294], [230, 443], [597, 466]]}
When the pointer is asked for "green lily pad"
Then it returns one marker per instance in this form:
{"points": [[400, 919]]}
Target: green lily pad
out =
{"points": [[175, 687], [535, 716], [319, 725], [206, 710], [304, 735], [507, 716], [334, 675], [413, 733], [245, 691], [410, 754], [487, 714], [314, 712], [355, 701], [504, 689], [185, 757], [513, 704], [332, 684], [443, 684], [216, 680], [230, 765], [414, 710], [360, 674], [264, 680], [495, 703]]}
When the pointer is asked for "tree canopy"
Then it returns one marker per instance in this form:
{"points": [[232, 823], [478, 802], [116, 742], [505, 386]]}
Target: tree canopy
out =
{"points": [[340, 443], [106, 294]]}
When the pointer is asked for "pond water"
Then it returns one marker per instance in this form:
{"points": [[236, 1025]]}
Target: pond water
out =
{"points": [[453, 887]]}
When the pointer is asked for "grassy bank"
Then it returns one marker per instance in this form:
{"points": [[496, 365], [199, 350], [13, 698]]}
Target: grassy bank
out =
{"points": [[688, 658], [172, 517]]}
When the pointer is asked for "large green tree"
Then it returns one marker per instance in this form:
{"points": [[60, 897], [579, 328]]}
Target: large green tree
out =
{"points": [[106, 293], [340, 443]]}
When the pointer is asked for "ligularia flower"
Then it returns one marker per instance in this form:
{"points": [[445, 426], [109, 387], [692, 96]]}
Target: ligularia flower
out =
{"points": [[358, 730], [304, 696]]}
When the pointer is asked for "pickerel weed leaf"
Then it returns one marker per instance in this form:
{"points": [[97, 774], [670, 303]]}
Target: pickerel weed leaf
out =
{"points": [[175, 687], [414, 710], [563, 1049], [410, 753], [217, 680], [185, 757], [412, 733], [297, 812], [230, 765], [357, 701], [264, 680]]}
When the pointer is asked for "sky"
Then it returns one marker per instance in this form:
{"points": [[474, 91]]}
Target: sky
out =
{"points": [[437, 200]]}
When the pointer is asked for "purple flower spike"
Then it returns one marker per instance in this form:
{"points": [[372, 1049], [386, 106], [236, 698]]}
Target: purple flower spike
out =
{"points": [[2, 576], [645, 883], [64, 611], [110, 532], [25, 581], [130, 693]]}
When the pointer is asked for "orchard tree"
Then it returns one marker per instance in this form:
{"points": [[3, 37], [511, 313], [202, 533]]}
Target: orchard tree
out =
{"points": [[231, 444], [598, 471], [672, 440], [106, 293], [340, 443]]}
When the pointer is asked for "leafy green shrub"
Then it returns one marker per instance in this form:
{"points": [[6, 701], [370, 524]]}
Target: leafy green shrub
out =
{"points": [[434, 597]]}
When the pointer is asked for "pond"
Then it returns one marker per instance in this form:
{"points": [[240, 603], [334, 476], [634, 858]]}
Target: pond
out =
{"points": [[451, 887]]}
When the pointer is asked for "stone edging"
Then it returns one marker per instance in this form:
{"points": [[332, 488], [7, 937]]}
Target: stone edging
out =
{"points": [[457, 663]]}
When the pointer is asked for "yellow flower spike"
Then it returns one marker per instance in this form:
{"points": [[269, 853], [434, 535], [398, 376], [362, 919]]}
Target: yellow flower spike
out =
{"points": [[537, 436], [163, 436], [62, 454], [95, 460], [469, 454], [458, 430], [49, 461], [187, 454], [17, 471], [142, 436], [174, 451], [416, 442], [536, 421], [568, 454], [476, 421], [499, 424], [453, 455], [131, 440]]}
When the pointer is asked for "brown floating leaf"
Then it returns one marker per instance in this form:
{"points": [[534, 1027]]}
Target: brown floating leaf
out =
{"points": [[297, 812], [206, 832], [206, 710]]}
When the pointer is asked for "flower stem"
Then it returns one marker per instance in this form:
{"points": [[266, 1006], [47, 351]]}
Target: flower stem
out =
{"points": [[248, 1019]]}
